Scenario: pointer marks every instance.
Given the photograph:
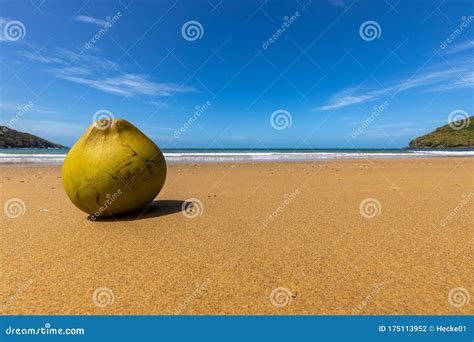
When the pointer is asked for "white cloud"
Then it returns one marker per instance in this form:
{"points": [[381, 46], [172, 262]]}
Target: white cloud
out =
{"points": [[39, 58], [159, 104], [89, 20], [79, 71], [454, 74], [457, 77], [425, 79], [125, 85], [102, 74], [464, 81], [66, 57], [84, 59], [459, 47], [343, 99]]}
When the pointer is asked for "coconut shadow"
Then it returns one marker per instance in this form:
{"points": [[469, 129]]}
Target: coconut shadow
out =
{"points": [[157, 208]]}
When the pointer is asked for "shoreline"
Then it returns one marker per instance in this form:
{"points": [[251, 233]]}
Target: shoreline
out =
{"points": [[267, 161], [243, 157]]}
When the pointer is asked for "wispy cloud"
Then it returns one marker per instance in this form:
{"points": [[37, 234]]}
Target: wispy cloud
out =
{"points": [[406, 124], [456, 76], [401, 130], [39, 58], [459, 47], [89, 20], [102, 74], [84, 59], [463, 81], [159, 104], [67, 58], [428, 78], [346, 98], [125, 85]]}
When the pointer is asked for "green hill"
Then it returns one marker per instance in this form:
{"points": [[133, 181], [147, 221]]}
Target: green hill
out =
{"points": [[10, 138], [448, 137]]}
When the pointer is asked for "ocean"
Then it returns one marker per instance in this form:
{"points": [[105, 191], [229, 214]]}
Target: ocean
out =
{"points": [[56, 156]]}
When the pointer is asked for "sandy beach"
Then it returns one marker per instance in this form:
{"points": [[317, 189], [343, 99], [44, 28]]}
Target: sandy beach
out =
{"points": [[388, 236]]}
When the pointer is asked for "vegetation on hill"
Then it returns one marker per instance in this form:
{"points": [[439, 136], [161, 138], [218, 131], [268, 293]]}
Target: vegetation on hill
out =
{"points": [[10, 138], [459, 134]]}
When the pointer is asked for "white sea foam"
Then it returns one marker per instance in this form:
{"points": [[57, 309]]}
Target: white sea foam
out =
{"points": [[26, 158], [252, 156]]}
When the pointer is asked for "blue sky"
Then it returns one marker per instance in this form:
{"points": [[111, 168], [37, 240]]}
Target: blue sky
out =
{"points": [[311, 62]]}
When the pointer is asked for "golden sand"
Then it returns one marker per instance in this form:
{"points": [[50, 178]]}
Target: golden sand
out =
{"points": [[270, 238]]}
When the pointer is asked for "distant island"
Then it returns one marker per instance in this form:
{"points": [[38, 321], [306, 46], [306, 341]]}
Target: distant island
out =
{"points": [[461, 135], [10, 138]]}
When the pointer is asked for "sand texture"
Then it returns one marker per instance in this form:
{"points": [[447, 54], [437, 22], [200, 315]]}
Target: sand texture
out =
{"points": [[385, 236]]}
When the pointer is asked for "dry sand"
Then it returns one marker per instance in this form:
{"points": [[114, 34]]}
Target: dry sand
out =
{"points": [[264, 226]]}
